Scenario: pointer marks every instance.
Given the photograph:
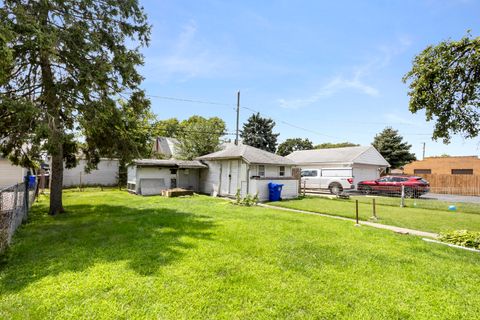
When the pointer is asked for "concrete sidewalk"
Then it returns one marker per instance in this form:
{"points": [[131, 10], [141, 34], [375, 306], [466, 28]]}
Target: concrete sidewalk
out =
{"points": [[365, 223]]}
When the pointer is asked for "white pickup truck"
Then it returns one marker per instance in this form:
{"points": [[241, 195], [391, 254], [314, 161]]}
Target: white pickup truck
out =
{"points": [[334, 179]]}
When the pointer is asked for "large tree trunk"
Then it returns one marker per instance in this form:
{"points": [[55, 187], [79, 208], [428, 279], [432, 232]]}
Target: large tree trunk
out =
{"points": [[56, 186], [53, 106]]}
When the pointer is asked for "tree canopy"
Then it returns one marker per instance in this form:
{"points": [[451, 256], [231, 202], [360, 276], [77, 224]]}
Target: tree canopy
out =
{"points": [[329, 145], [392, 147], [258, 132], [198, 136], [166, 128], [294, 144], [445, 82], [64, 65]]}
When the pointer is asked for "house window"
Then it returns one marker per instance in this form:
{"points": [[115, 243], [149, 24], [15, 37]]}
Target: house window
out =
{"points": [[282, 171], [462, 171], [422, 171], [261, 170]]}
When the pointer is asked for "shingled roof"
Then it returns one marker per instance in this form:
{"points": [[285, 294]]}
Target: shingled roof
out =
{"points": [[249, 154], [360, 154], [183, 164]]}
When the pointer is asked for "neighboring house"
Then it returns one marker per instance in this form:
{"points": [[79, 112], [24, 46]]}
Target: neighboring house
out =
{"points": [[366, 162], [150, 176], [105, 175], [165, 147], [10, 174], [247, 169], [463, 165]]}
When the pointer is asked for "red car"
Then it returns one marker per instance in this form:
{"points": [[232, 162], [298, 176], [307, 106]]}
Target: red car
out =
{"points": [[414, 186]]}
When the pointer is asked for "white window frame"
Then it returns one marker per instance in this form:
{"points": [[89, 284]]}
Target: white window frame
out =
{"points": [[281, 172], [261, 173]]}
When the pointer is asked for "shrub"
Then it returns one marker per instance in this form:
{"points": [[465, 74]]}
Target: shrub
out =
{"points": [[248, 201], [463, 238]]}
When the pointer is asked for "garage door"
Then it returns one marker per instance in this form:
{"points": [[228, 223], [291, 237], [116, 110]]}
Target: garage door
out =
{"points": [[364, 173]]}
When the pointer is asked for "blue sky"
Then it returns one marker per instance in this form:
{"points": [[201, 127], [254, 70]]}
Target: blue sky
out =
{"points": [[333, 68]]}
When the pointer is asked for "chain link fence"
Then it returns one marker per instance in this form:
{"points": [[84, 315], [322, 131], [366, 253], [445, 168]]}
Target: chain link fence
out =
{"points": [[15, 202]]}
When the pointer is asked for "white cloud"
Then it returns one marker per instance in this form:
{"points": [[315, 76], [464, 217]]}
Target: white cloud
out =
{"points": [[189, 57], [356, 81], [334, 86]]}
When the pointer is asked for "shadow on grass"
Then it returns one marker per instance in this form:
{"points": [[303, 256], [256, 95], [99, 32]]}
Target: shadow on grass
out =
{"points": [[146, 239]]}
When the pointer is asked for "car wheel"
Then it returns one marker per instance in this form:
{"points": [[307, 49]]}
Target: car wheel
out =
{"points": [[367, 190], [335, 188], [409, 193]]}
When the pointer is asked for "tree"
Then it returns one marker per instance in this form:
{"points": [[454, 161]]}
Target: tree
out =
{"points": [[329, 145], [445, 82], [392, 147], [166, 128], [199, 136], [258, 132], [64, 66], [294, 144]]}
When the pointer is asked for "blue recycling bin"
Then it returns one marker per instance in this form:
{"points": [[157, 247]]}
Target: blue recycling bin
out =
{"points": [[31, 182], [274, 191]]}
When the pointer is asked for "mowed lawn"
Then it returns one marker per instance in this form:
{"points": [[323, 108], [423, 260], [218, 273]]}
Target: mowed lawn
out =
{"points": [[121, 256], [439, 219]]}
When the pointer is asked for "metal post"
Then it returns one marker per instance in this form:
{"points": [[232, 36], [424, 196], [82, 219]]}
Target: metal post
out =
{"points": [[25, 198], [374, 210], [402, 201], [356, 214], [304, 187]]}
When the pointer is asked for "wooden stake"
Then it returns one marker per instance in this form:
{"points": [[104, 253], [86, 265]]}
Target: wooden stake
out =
{"points": [[356, 214]]}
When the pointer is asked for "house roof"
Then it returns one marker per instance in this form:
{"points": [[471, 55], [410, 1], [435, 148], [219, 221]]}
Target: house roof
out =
{"points": [[360, 155], [165, 146], [182, 164], [249, 154]]}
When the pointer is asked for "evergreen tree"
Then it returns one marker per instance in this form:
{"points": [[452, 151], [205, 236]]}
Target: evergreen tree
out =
{"points": [[258, 132], [63, 65], [392, 147], [294, 144]]}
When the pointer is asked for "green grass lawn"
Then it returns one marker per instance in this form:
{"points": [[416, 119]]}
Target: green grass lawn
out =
{"points": [[388, 212], [119, 256]]}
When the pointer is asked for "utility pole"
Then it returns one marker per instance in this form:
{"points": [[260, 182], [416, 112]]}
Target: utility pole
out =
{"points": [[423, 156], [238, 117]]}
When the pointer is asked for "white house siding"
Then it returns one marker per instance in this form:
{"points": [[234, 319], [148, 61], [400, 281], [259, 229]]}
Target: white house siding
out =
{"points": [[210, 178], [260, 186], [224, 177], [105, 175], [371, 157], [10, 174], [152, 180]]}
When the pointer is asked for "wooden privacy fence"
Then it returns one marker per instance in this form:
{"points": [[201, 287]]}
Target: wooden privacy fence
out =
{"points": [[468, 185]]}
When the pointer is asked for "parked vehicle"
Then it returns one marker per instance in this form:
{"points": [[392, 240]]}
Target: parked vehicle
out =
{"points": [[392, 185], [334, 179]]}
